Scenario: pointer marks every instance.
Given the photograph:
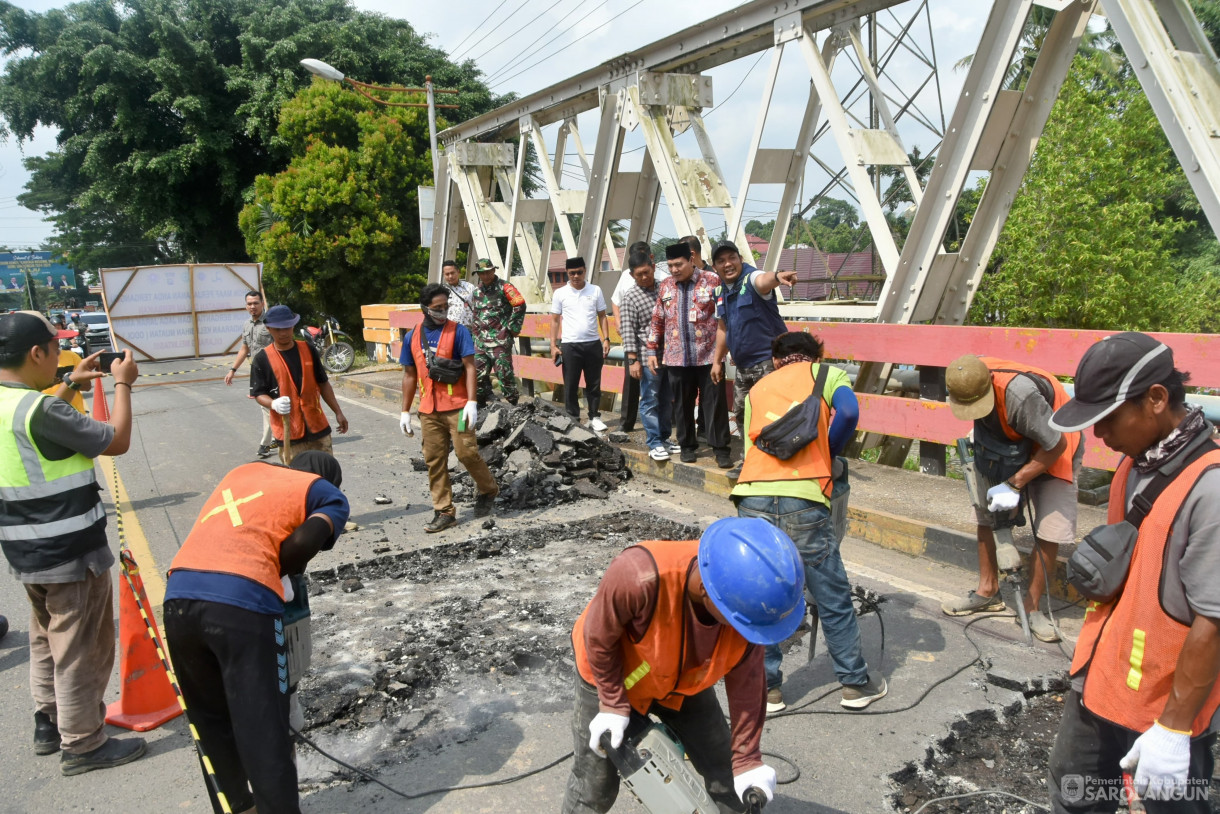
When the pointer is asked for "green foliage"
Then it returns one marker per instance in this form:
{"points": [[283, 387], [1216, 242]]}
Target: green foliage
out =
{"points": [[1089, 243], [340, 226], [168, 109]]}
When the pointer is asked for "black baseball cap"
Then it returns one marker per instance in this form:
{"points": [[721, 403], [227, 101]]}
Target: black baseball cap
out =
{"points": [[22, 330], [724, 246], [1117, 368]]}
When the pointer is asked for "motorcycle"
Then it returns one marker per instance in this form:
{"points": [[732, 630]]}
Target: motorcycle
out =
{"points": [[334, 347]]}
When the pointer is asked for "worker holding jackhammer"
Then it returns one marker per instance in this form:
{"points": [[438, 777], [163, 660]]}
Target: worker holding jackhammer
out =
{"points": [[1144, 696], [224, 620], [668, 621], [1017, 453]]}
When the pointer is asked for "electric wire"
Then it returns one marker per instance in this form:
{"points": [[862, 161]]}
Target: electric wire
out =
{"points": [[519, 30], [982, 793], [537, 45], [733, 92], [570, 44], [453, 55]]}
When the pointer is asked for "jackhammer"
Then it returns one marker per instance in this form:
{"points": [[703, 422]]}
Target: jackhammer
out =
{"points": [[652, 765], [1008, 559]]}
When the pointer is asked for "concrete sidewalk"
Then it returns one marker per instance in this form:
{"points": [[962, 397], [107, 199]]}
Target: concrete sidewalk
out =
{"points": [[917, 514]]}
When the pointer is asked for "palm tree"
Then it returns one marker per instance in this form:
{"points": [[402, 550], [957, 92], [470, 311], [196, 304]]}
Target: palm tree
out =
{"points": [[1095, 46]]}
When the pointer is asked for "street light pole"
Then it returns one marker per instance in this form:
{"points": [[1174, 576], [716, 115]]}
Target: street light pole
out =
{"points": [[319, 68]]}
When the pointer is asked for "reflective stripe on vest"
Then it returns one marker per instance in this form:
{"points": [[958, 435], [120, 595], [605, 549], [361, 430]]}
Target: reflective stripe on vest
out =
{"points": [[771, 397], [451, 396], [652, 666], [38, 501], [1003, 372], [1130, 645], [244, 521], [306, 403]]}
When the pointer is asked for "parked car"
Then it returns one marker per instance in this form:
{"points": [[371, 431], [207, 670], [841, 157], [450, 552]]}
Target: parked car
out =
{"points": [[97, 332]]}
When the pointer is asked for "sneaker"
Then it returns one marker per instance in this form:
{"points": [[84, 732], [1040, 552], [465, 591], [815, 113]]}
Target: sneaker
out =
{"points": [[859, 697], [275, 444], [597, 424], [46, 735], [659, 453], [689, 456], [440, 521], [114, 752], [775, 701], [483, 504], [723, 460], [264, 451], [1041, 626], [673, 446], [973, 602]]}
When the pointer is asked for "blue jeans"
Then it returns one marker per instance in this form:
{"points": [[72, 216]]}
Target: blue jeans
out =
{"points": [[656, 406], [809, 525]]}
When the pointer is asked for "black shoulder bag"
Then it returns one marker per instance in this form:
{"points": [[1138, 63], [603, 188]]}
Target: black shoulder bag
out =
{"points": [[797, 428], [445, 371]]}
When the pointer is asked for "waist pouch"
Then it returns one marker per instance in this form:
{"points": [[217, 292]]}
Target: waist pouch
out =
{"points": [[996, 458], [1099, 566], [838, 498], [797, 428], [445, 371]]}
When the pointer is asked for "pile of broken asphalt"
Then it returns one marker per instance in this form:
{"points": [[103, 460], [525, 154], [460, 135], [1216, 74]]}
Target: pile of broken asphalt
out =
{"points": [[540, 456]]}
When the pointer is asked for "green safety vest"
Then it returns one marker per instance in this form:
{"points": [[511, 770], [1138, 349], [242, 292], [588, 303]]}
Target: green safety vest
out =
{"points": [[50, 511]]}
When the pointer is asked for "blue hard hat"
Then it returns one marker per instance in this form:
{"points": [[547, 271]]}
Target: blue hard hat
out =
{"points": [[280, 316], [754, 576]]}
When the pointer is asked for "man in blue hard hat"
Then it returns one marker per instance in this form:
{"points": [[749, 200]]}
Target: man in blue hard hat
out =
{"points": [[669, 620]]}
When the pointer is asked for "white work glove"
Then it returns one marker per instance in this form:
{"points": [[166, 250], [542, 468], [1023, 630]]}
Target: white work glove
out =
{"points": [[762, 777], [610, 722], [471, 411], [282, 405], [1160, 759], [1002, 498], [289, 594], [404, 423]]}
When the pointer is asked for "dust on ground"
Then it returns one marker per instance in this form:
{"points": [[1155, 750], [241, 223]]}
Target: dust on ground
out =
{"points": [[415, 651]]}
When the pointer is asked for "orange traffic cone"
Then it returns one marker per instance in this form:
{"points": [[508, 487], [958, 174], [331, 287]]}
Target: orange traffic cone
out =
{"points": [[146, 698], [101, 410]]}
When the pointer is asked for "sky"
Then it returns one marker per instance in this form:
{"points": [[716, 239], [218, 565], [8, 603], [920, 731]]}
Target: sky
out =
{"points": [[524, 46]]}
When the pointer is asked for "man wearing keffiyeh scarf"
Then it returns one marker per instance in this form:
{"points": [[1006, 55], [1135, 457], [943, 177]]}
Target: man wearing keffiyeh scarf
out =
{"points": [[1144, 697]]}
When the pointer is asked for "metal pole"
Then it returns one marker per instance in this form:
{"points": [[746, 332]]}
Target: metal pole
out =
{"points": [[432, 130]]}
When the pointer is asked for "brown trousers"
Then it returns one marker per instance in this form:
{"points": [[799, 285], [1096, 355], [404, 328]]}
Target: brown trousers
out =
{"points": [[437, 430], [71, 656], [320, 444]]}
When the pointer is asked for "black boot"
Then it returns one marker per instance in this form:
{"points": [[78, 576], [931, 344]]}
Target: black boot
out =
{"points": [[46, 735]]}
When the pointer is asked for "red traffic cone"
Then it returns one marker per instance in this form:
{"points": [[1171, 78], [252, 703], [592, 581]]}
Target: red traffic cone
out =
{"points": [[146, 698], [101, 410]]}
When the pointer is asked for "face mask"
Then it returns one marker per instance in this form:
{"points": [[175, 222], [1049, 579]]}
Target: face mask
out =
{"points": [[437, 314]]}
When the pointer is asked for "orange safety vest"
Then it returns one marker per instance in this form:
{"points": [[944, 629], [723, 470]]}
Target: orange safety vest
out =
{"points": [[307, 404], [1130, 645], [450, 396], [652, 666], [771, 397], [244, 521], [1002, 372]]}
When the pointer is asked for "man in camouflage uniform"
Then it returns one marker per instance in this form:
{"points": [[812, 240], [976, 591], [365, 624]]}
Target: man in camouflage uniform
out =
{"points": [[499, 313]]}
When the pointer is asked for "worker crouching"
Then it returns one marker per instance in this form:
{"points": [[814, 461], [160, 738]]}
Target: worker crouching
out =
{"points": [[668, 621], [224, 605]]}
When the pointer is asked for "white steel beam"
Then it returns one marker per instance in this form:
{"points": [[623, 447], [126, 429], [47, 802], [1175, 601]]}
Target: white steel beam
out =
{"points": [[946, 298], [905, 279], [609, 147], [1177, 68]]}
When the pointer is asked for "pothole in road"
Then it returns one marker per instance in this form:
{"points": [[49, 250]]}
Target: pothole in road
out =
{"points": [[414, 650]]}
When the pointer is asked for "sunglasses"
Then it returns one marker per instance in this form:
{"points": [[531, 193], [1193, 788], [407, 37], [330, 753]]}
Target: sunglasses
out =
{"points": [[576, 272]]}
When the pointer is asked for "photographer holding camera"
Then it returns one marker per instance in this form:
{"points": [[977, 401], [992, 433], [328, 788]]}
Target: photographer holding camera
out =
{"points": [[444, 351]]}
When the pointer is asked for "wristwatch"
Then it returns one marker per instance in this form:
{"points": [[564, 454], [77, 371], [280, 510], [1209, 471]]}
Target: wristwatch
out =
{"points": [[71, 384]]}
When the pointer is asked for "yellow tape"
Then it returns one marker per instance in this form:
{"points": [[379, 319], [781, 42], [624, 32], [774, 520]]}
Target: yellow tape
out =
{"points": [[1138, 639], [636, 674]]}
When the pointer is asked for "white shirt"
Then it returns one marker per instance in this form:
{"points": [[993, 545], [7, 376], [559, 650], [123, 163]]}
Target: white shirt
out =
{"points": [[625, 279], [579, 310]]}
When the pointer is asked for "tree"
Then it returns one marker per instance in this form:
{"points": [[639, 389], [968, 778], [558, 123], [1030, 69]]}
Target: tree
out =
{"points": [[1088, 243], [340, 226], [168, 109]]}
